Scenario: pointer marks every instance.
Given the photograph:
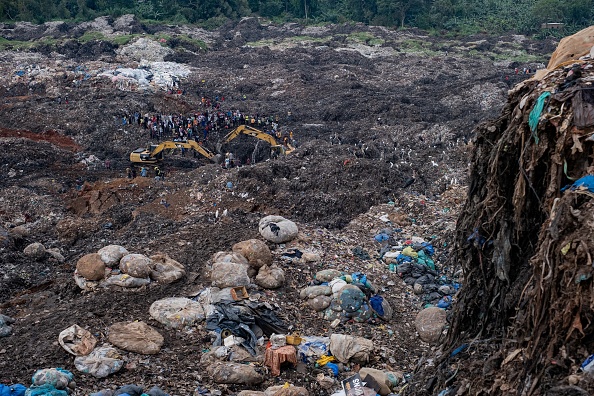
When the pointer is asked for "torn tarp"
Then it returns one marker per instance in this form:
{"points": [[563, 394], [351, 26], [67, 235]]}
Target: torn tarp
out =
{"points": [[583, 183]]}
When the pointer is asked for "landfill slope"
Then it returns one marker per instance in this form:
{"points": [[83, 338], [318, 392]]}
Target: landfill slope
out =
{"points": [[524, 241], [373, 124]]}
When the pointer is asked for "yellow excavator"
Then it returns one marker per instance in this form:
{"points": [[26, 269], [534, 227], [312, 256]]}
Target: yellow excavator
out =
{"points": [[251, 131], [154, 153]]}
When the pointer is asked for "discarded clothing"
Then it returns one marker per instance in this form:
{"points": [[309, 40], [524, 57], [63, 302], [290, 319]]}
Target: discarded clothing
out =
{"points": [[535, 113], [238, 318], [295, 253], [362, 254]]}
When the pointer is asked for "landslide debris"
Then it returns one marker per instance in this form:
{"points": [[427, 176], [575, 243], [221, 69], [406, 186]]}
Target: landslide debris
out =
{"points": [[373, 124]]}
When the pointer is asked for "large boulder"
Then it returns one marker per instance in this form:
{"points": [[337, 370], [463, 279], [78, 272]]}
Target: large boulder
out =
{"points": [[234, 373], [227, 274], [277, 229], [271, 277], [136, 265], [112, 254], [165, 269], [255, 251], [177, 312], [91, 267], [135, 337], [35, 250], [430, 323]]}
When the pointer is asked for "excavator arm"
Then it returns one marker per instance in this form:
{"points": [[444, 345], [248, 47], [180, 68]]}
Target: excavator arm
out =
{"points": [[154, 153], [250, 131]]}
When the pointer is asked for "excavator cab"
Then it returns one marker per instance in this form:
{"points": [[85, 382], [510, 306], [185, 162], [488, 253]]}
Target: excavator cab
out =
{"points": [[144, 155]]}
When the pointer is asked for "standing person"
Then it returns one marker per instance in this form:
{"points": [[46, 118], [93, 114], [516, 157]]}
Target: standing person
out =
{"points": [[143, 171], [158, 173], [133, 172]]}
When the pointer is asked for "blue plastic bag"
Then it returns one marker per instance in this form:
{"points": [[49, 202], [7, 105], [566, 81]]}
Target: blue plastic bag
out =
{"points": [[12, 390]]}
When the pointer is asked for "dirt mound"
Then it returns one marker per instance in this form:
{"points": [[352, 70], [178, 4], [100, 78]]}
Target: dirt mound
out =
{"points": [[524, 239]]}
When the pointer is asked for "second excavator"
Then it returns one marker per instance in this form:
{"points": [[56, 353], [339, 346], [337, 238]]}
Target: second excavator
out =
{"points": [[275, 145]]}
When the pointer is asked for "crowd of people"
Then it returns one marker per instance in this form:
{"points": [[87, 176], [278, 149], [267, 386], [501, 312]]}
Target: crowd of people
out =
{"points": [[209, 122], [201, 125]]}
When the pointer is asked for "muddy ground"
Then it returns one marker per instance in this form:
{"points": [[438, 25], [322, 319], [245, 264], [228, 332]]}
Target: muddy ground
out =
{"points": [[400, 112]]}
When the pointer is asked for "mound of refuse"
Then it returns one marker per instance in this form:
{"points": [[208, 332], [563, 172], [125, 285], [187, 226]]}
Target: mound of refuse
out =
{"points": [[524, 239], [114, 267]]}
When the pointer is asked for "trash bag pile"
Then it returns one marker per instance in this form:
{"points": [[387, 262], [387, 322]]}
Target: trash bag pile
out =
{"points": [[413, 260], [340, 297]]}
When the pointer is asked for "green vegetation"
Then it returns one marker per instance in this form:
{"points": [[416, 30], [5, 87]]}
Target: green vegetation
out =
{"points": [[442, 17], [365, 38]]}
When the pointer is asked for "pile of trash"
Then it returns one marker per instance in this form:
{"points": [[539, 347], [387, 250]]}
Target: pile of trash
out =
{"points": [[340, 297], [149, 76], [413, 260], [114, 267]]}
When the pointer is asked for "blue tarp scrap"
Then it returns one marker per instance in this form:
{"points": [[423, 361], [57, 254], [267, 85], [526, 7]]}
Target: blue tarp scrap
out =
{"points": [[586, 181], [376, 304]]}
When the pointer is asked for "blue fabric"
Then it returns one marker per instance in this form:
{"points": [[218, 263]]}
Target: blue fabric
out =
{"points": [[401, 258], [13, 390], [428, 248], [382, 237], [445, 302], [586, 181], [333, 367], [376, 304], [587, 362]]}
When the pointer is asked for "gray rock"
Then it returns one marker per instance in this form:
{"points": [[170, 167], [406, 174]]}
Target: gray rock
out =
{"points": [[430, 323], [55, 253], [35, 250]]}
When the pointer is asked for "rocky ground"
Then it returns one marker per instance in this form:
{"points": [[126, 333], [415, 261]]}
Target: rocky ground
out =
{"points": [[403, 104]]}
